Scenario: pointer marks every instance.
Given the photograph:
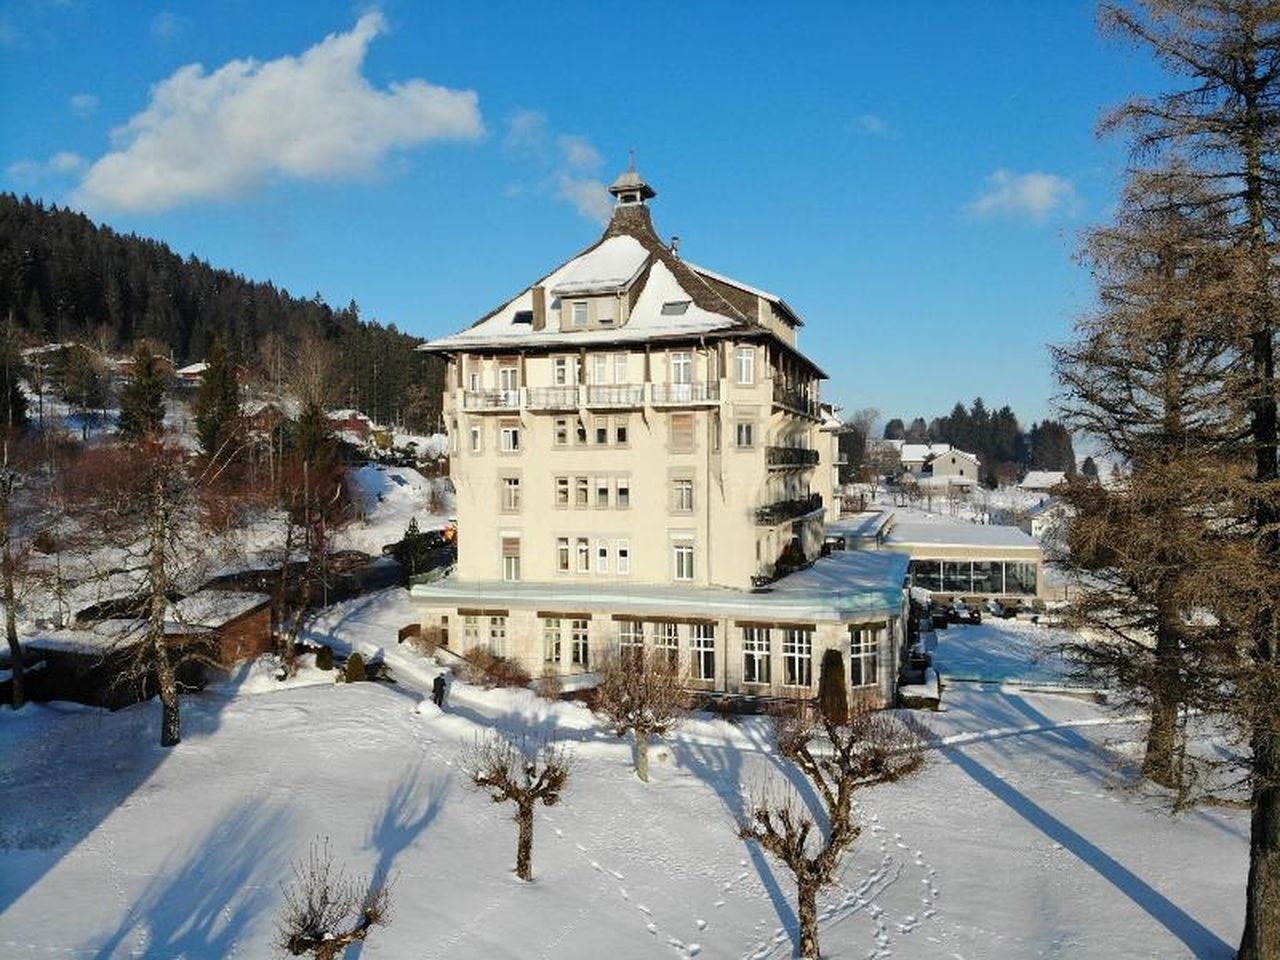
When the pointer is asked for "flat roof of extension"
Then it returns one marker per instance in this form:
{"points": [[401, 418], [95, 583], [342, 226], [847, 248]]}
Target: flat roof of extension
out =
{"points": [[848, 585], [923, 533]]}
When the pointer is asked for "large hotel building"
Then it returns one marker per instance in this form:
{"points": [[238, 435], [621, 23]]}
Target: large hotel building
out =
{"points": [[640, 457]]}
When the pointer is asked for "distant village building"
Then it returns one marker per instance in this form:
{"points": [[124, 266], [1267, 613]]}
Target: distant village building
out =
{"points": [[637, 442], [1042, 481], [940, 460]]}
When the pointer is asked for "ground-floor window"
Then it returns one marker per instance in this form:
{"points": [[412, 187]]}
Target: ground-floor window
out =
{"points": [[498, 635], [797, 656], [702, 646], [666, 642], [864, 656], [551, 639], [578, 642], [755, 654], [630, 639]]}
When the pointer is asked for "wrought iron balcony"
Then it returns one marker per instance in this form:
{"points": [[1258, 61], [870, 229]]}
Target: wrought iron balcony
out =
{"points": [[794, 399], [790, 457], [615, 395], [782, 510], [553, 398], [679, 394], [491, 400]]}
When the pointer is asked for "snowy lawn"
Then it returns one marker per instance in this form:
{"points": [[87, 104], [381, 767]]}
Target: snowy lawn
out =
{"points": [[1001, 650], [387, 498], [1023, 837]]}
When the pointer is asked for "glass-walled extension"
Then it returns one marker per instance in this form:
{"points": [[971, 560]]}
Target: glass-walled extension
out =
{"points": [[976, 577]]}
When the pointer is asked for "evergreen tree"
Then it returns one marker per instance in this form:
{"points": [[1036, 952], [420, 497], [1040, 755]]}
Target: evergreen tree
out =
{"points": [[895, 429], [1089, 469], [142, 402], [217, 404]]}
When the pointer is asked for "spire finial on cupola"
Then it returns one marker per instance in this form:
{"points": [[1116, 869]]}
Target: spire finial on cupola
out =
{"points": [[630, 188]]}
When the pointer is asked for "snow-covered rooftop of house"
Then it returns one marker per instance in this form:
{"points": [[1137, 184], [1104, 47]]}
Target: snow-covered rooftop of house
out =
{"points": [[645, 322], [1042, 479], [347, 414], [921, 533], [215, 608], [846, 585], [192, 369], [919, 452], [608, 268], [860, 526]]}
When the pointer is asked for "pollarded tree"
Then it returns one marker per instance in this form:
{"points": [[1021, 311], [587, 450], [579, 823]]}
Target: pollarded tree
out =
{"points": [[838, 758], [324, 911], [640, 693], [527, 774]]}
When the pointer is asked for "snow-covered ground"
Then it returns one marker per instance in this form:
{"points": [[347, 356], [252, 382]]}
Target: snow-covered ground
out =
{"points": [[1001, 650], [1023, 837], [386, 499]]}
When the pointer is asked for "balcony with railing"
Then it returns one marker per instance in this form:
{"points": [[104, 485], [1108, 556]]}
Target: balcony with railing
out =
{"points": [[783, 510], [685, 394], [790, 457], [491, 400], [615, 395], [794, 399], [553, 398]]}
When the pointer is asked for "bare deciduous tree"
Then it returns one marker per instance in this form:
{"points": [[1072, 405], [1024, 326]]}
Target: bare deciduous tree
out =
{"points": [[640, 693], [837, 758], [325, 911], [524, 774]]}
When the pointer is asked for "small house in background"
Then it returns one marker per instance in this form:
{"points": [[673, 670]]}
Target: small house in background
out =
{"points": [[1042, 481], [93, 664], [940, 460], [350, 425], [192, 373]]}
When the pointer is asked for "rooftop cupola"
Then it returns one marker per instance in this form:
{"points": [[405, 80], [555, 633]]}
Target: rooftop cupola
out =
{"points": [[630, 188]]}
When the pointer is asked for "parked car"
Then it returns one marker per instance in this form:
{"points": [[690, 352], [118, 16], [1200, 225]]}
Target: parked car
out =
{"points": [[961, 612], [940, 614], [1002, 611]]}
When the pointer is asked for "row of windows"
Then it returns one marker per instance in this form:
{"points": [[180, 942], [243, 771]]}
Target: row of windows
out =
{"points": [[614, 369], [601, 555], [604, 431], [614, 431], [797, 647], [975, 576], [599, 492]]}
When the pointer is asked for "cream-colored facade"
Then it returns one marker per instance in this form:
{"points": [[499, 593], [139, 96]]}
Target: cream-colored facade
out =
{"points": [[632, 423]]}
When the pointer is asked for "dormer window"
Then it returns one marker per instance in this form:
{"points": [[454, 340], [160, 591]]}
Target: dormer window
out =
{"points": [[523, 316], [675, 308], [580, 313]]}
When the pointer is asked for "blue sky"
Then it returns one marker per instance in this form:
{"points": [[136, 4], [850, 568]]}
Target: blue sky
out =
{"points": [[911, 177]]}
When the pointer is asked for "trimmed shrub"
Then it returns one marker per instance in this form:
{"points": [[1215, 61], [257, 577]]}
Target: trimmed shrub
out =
{"points": [[324, 658], [355, 668], [482, 666]]}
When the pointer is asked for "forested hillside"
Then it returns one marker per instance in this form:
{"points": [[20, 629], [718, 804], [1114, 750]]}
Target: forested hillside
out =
{"points": [[62, 277]]}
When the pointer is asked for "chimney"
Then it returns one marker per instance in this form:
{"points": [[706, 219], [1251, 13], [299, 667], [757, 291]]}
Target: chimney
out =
{"points": [[539, 307], [675, 244]]}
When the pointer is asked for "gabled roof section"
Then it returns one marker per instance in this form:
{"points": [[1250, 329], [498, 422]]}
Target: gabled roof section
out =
{"points": [[608, 268], [773, 298]]}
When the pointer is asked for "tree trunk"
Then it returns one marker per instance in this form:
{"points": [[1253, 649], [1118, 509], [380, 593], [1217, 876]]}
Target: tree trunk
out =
{"points": [[10, 614], [807, 904], [1160, 764], [170, 726], [642, 755], [524, 845], [1261, 938]]}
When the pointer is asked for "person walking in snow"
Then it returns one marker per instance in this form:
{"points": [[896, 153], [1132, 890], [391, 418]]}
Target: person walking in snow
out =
{"points": [[438, 687]]}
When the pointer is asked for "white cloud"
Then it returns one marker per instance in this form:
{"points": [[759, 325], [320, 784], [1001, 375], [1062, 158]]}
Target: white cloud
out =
{"points": [[570, 163], [871, 124], [166, 25], [33, 171], [1034, 196], [83, 104], [217, 135]]}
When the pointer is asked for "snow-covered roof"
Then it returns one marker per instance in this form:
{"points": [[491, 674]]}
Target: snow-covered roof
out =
{"points": [[848, 585], [609, 268], [1043, 479], [919, 452], [191, 369], [215, 608], [941, 534], [860, 526]]}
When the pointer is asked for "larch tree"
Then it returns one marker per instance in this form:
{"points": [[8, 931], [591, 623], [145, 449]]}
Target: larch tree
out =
{"points": [[1223, 117], [838, 757], [640, 693], [1144, 376]]}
